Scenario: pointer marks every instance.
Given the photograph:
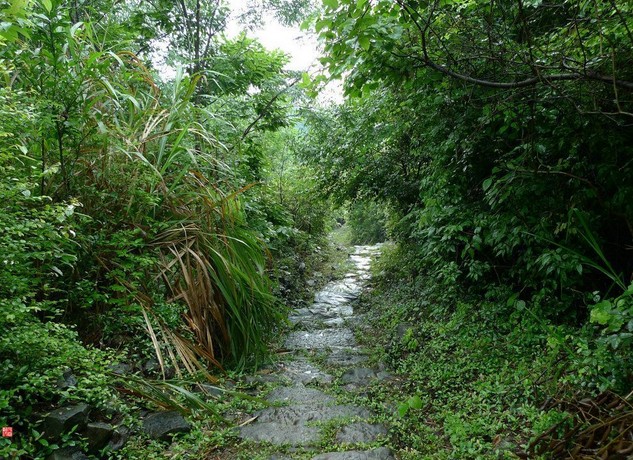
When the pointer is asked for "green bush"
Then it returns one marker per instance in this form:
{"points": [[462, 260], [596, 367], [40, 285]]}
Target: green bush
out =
{"points": [[366, 220]]}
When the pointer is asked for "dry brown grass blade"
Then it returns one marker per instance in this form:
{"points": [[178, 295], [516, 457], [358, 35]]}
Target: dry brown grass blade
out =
{"points": [[154, 338], [601, 427]]}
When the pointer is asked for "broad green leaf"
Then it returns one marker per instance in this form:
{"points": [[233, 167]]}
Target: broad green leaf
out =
{"points": [[415, 402], [601, 313], [17, 7], [364, 42]]}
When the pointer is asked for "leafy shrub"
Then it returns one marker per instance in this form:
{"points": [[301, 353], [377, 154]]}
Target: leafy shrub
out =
{"points": [[366, 220]]}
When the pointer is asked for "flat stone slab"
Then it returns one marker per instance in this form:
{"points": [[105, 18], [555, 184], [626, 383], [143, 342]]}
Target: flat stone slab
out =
{"points": [[301, 413], [289, 425], [325, 338], [382, 453], [280, 433], [345, 357], [360, 432], [304, 372], [299, 394]]}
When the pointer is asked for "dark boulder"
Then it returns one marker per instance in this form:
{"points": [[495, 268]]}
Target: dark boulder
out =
{"points": [[67, 453], [163, 425], [98, 435], [63, 419], [119, 438]]}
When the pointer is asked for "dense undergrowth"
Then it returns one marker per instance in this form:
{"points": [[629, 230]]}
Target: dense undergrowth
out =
{"points": [[159, 219], [482, 379]]}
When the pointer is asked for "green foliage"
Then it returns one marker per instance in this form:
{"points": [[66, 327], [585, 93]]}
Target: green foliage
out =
{"points": [[38, 248], [127, 202], [474, 376], [500, 185], [367, 222]]}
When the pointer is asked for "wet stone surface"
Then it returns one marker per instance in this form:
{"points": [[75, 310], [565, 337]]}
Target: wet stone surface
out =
{"points": [[301, 405]]}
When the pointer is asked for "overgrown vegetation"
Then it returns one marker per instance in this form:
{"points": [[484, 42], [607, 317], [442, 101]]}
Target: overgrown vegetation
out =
{"points": [[498, 138], [141, 216], [164, 210]]}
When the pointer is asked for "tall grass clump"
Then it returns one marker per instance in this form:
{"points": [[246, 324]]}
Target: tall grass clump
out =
{"points": [[174, 247]]}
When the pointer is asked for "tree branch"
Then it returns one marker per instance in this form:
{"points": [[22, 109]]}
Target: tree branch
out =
{"points": [[263, 111]]}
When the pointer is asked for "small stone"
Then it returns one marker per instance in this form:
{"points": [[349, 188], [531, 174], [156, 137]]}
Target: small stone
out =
{"points": [[67, 379], [151, 366], [98, 435], [61, 420], [164, 425], [121, 368]]}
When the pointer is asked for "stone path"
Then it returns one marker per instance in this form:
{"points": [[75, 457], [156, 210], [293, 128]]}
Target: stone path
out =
{"points": [[302, 409]]}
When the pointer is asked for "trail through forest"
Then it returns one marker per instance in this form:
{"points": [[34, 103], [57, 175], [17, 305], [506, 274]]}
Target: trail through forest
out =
{"points": [[305, 414]]}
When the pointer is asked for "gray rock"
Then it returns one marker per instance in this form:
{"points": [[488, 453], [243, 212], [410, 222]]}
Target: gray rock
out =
{"points": [[210, 390], [401, 331], [164, 425], [67, 379], [151, 366], [346, 357], [119, 438], [359, 376], [281, 433], [301, 414], [121, 368], [304, 372], [289, 425], [262, 378], [98, 435], [299, 394], [326, 338], [63, 419], [67, 453], [382, 453], [360, 432]]}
